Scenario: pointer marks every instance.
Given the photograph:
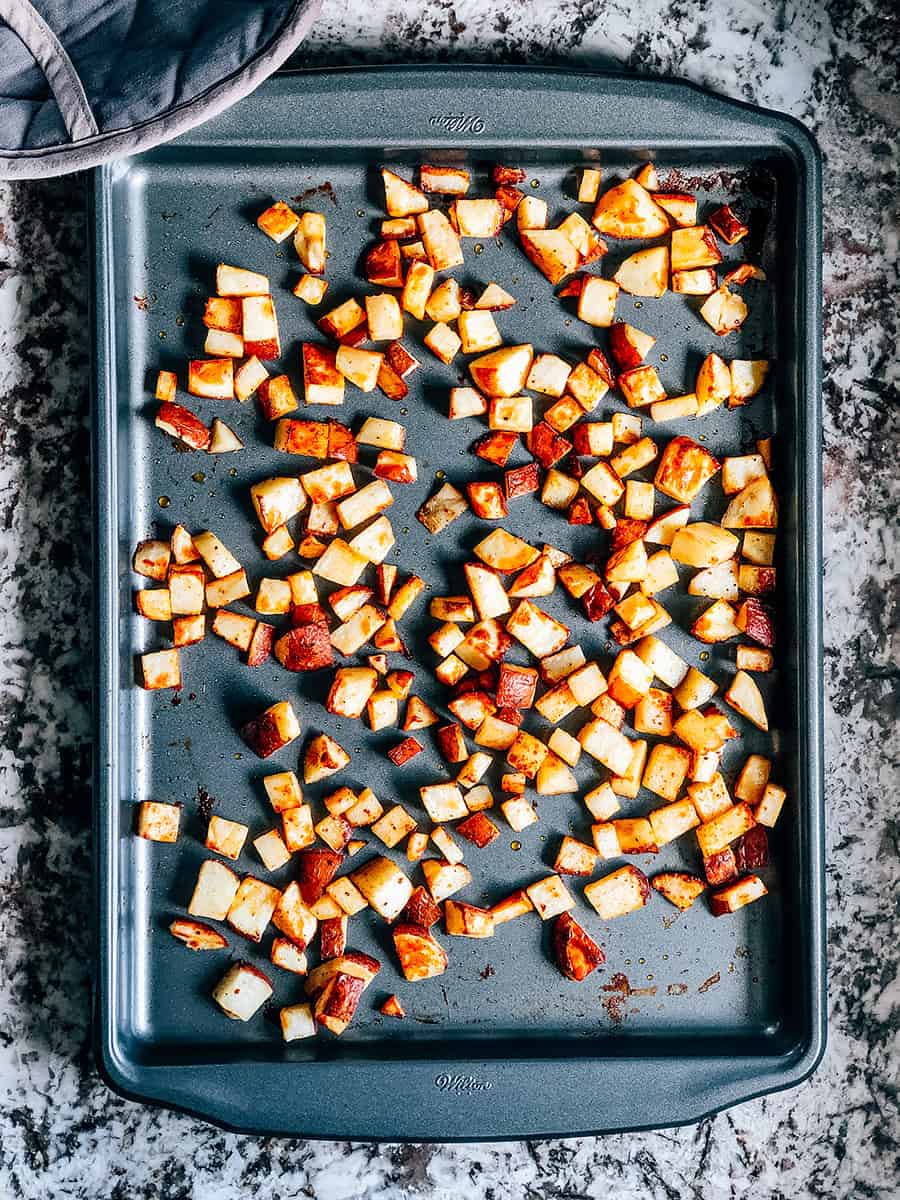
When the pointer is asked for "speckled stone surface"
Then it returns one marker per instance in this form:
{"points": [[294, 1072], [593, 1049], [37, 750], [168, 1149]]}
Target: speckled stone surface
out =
{"points": [[833, 65]]}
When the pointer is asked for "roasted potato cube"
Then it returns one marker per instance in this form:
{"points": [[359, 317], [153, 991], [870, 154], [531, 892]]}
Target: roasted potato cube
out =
{"points": [[724, 311], [736, 895], [157, 821], [550, 897], [323, 383], [443, 801], [444, 879], [465, 920], [394, 826], [160, 669], [197, 936], [226, 837], [152, 558], [678, 887], [601, 802], [576, 953], [242, 991], [575, 858], [744, 696], [629, 211], [440, 240], [252, 908], [419, 954], [214, 891], [384, 886], [273, 729], [621, 892]]}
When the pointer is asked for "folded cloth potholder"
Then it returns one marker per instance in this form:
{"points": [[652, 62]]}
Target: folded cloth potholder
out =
{"points": [[83, 81]]}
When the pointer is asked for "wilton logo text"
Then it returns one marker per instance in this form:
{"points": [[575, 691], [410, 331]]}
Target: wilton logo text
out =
{"points": [[460, 1084], [457, 123]]}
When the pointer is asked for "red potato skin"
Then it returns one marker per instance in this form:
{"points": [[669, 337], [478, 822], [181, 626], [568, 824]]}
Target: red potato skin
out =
{"points": [[626, 531], [404, 751], [721, 867], [625, 356], [751, 851], [496, 447], [760, 622], [339, 999], [599, 363], [353, 337], [262, 735], [501, 175], [576, 953], [510, 198], [521, 481], [516, 686], [401, 359], [597, 602], [727, 226], [547, 446], [307, 648], [572, 287], [576, 467], [315, 870], [341, 442], [580, 512], [451, 743], [421, 910], [476, 681], [512, 716], [183, 424], [383, 265], [308, 614], [332, 937], [260, 644], [478, 829], [467, 299]]}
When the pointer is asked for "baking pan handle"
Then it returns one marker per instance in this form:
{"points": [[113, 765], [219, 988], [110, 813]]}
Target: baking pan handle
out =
{"points": [[457, 1102]]}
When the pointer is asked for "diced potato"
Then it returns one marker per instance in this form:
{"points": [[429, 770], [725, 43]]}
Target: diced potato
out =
{"points": [[607, 745], [550, 897], [341, 564], [554, 255], [385, 320], [445, 879], [440, 240], [597, 302], [602, 802], [226, 837], [621, 892], [158, 821], [443, 802], [220, 592], [252, 907], [242, 991], [161, 669], [519, 813], [361, 367], [212, 378], [736, 895]]}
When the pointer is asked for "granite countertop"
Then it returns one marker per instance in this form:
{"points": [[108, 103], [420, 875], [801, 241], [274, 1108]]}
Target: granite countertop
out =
{"points": [[62, 1134]]}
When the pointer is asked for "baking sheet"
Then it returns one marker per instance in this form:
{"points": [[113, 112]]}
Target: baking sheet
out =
{"points": [[702, 1011]]}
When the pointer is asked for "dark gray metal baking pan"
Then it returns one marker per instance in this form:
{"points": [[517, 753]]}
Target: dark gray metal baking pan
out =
{"points": [[715, 1011]]}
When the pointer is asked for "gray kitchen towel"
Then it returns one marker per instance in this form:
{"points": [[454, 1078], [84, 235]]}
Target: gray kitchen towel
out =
{"points": [[83, 81]]}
